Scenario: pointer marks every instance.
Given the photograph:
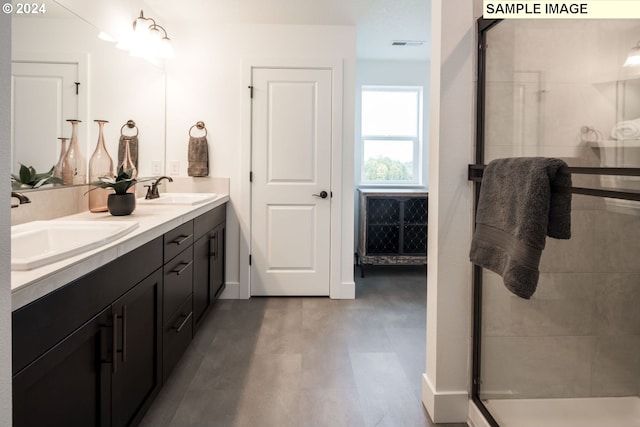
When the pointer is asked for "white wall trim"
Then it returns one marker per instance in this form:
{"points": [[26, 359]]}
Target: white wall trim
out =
{"points": [[444, 407], [347, 290], [476, 419], [337, 254]]}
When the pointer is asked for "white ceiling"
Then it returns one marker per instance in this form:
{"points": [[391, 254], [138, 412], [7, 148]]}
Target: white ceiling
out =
{"points": [[377, 22]]}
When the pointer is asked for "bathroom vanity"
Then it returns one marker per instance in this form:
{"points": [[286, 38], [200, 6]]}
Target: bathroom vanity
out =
{"points": [[96, 350]]}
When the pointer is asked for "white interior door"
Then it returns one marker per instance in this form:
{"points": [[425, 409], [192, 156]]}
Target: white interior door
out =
{"points": [[43, 97], [291, 169]]}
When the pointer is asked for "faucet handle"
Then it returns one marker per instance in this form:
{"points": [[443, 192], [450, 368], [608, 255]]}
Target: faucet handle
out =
{"points": [[149, 194]]}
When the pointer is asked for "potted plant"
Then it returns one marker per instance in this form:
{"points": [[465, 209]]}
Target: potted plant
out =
{"points": [[28, 177], [120, 202]]}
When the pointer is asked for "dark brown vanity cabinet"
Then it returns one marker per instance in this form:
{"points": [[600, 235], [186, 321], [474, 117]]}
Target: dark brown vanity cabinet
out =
{"points": [[96, 351], [209, 261], [102, 372]]}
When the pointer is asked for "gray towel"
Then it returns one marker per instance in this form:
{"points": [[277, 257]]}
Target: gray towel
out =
{"points": [[516, 210], [133, 149], [198, 156]]}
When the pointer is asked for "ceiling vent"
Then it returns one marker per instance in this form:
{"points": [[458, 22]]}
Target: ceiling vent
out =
{"points": [[407, 43]]}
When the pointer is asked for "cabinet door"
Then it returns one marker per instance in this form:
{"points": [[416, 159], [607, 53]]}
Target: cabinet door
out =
{"points": [[202, 250], [137, 332], [414, 237], [218, 261], [208, 271], [383, 226], [70, 385]]}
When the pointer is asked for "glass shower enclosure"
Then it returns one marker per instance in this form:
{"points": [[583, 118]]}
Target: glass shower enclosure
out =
{"points": [[570, 355]]}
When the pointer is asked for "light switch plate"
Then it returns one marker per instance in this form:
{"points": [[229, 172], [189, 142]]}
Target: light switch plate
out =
{"points": [[156, 167], [174, 167]]}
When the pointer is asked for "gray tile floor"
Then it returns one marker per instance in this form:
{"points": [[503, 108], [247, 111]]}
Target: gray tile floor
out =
{"points": [[306, 362]]}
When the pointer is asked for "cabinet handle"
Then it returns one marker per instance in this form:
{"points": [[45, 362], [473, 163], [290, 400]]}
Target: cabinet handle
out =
{"points": [[213, 240], [114, 351], [184, 322], [124, 334], [180, 240], [181, 270]]}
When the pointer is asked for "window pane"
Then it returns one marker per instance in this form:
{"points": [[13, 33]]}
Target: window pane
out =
{"points": [[390, 113], [388, 160]]}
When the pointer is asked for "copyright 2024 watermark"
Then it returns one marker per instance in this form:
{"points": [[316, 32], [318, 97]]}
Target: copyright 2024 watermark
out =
{"points": [[24, 8]]}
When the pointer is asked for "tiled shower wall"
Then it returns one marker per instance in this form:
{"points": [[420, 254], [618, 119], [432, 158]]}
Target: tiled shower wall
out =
{"points": [[579, 335]]}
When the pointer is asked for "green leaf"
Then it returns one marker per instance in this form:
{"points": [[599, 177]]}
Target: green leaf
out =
{"points": [[25, 174]]}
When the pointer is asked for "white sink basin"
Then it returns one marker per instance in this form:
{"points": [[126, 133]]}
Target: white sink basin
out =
{"points": [[179, 199], [39, 243]]}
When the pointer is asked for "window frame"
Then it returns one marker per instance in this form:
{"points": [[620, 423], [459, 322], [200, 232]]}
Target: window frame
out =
{"points": [[417, 140]]}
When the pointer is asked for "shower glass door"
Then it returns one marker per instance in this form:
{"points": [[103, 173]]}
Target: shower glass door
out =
{"points": [[569, 356]]}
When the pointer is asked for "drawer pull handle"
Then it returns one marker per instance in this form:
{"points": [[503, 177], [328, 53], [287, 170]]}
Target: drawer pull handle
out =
{"points": [[213, 243], [184, 265], [184, 322], [180, 240]]}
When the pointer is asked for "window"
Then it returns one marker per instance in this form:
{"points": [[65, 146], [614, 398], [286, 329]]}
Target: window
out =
{"points": [[391, 135]]}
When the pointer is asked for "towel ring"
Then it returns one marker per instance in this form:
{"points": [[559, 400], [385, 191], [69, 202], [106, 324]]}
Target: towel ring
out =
{"points": [[199, 125], [586, 131], [130, 124]]}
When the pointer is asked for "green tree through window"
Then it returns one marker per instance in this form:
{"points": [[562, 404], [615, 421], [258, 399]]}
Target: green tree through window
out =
{"points": [[386, 169]]}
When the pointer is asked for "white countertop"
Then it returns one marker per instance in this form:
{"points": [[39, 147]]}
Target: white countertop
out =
{"points": [[154, 221]]}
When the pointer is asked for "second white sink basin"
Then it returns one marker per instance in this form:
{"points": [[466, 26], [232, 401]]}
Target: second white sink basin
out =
{"points": [[179, 199], [39, 243]]}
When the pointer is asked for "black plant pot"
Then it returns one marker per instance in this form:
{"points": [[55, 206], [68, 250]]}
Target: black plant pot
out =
{"points": [[121, 204]]}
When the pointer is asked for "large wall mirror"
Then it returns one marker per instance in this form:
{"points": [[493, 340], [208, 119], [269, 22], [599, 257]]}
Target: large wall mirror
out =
{"points": [[62, 70]]}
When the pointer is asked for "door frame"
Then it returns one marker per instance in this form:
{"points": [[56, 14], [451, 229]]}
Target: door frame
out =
{"points": [[336, 68], [82, 62]]}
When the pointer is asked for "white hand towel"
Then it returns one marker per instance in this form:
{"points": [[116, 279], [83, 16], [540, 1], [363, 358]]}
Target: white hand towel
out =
{"points": [[628, 129]]}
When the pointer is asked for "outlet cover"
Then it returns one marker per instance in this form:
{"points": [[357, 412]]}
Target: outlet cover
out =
{"points": [[156, 167], [174, 167]]}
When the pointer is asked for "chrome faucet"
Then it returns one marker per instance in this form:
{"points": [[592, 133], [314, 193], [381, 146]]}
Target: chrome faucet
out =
{"points": [[152, 190], [21, 197]]}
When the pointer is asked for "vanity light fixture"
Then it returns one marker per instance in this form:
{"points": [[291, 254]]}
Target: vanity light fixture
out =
{"points": [[633, 57], [148, 39]]}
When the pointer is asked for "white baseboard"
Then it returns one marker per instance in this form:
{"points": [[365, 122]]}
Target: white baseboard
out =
{"points": [[347, 291], [445, 407], [476, 419]]}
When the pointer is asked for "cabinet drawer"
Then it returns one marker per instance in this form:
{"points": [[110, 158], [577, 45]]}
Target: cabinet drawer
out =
{"points": [[177, 335], [178, 279], [177, 239]]}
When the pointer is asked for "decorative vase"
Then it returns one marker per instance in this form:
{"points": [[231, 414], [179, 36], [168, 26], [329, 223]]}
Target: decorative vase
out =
{"points": [[57, 170], [121, 204], [74, 167], [128, 164], [100, 164]]}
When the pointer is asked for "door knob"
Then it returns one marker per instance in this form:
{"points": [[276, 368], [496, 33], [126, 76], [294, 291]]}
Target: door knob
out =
{"points": [[322, 195]]}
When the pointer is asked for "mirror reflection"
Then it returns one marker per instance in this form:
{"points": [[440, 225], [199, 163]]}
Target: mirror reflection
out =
{"points": [[61, 71]]}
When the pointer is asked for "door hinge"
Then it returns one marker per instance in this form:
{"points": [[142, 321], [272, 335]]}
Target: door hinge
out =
{"points": [[250, 91], [77, 87], [250, 176], [249, 259]]}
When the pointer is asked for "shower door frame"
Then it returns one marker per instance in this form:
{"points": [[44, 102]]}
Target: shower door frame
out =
{"points": [[475, 174], [483, 26]]}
